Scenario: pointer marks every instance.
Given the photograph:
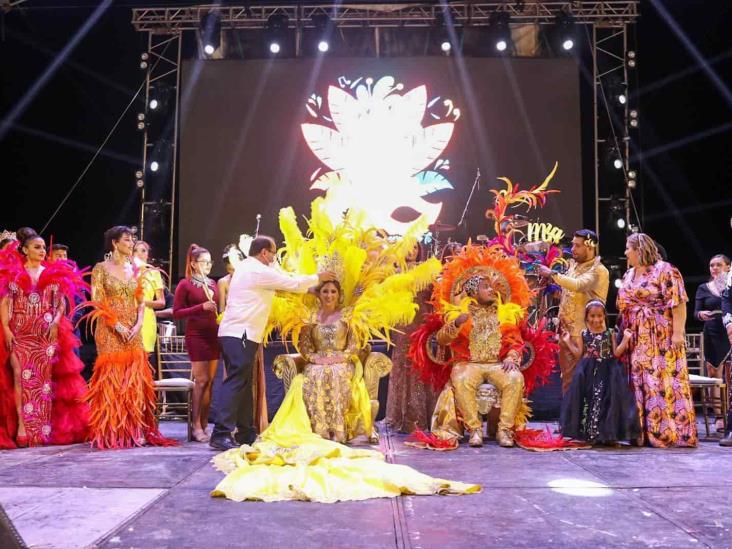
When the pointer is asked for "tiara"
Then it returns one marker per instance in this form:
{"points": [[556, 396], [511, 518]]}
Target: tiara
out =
{"points": [[333, 263], [7, 235]]}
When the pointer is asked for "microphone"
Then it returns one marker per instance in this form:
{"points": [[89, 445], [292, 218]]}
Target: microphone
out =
{"points": [[259, 218]]}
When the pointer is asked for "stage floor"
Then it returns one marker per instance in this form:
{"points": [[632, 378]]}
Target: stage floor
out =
{"points": [[159, 497]]}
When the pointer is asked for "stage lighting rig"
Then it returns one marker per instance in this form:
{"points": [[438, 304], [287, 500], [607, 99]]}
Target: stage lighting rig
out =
{"points": [[617, 212], [143, 60], [157, 98], [633, 118], [631, 59], [443, 29], [323, 31], [499, 32], [210, 32], [564, 31], [275, 32]]}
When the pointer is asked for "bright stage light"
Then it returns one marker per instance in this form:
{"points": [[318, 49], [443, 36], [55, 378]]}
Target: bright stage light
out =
{"points": [[445, 46], [622, 99], [209, 49], [153, 104], [154, 166], [274, 47], [620, 223], [617, 164], [323, 46], [618, 282], [579, 487], [501, 45], [568, 44]]}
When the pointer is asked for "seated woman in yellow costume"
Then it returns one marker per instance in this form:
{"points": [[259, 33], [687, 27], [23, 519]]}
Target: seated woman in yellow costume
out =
{"points": [[291, 460]]}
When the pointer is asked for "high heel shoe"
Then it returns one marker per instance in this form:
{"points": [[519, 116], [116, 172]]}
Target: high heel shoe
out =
{"points": [[21, 441]]}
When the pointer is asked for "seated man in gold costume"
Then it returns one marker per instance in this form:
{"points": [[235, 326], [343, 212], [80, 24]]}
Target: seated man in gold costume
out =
{"points": [[485, 364]]}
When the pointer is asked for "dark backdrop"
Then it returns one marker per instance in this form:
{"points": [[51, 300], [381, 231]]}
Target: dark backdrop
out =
{"points": [[242, 151]]}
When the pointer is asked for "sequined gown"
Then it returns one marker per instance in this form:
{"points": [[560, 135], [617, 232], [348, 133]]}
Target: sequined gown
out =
{"points": [[410, 401], [52, 389], [121, 394], [659, 375], [327, 387], [599, 406]]}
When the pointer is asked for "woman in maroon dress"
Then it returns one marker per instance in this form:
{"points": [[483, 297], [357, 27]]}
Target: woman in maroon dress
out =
{"points": [[195, 300]]}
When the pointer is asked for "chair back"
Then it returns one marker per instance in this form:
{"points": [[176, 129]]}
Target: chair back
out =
{"points": [[173, 360], [695, 354]]}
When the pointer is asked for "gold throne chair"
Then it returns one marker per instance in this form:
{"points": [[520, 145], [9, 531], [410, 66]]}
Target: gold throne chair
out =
{"points": [[375, 366]]}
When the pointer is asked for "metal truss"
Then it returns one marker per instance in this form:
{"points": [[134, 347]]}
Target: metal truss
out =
{"points": [[611, 13], [607, 21]]}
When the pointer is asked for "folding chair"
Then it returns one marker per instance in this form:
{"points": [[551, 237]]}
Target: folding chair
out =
{"points": [[174, 377]]}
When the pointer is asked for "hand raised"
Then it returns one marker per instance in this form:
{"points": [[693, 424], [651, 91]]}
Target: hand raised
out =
{"points": [[326, 276]]}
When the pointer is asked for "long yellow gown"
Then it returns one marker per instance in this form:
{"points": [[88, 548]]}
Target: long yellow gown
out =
{"points": [[290, 462]]}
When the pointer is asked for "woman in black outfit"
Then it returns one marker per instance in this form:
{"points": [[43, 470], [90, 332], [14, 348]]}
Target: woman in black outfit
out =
{"points": [[708, 309]]}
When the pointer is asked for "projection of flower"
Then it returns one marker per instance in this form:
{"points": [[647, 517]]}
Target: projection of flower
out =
{"points": [[378, 154]]}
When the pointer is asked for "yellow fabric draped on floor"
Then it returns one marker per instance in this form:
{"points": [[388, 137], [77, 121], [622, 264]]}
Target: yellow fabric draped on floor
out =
{"points": [[290, 462]]}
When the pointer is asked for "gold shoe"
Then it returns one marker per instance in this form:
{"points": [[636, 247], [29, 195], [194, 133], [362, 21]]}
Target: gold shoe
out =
{"points": [[504, 437], [476, 438]]}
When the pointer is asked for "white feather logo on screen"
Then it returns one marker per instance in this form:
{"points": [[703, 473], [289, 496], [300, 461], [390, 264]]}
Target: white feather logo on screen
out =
{"points": [[382, 148]]}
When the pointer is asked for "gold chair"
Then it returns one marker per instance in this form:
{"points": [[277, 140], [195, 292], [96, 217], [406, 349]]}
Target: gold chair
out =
{"points": [[375, 366], [173, 359], [709, 398]]}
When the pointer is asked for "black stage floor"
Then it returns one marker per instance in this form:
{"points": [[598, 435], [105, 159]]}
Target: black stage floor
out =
{"points": [[159, 497]]}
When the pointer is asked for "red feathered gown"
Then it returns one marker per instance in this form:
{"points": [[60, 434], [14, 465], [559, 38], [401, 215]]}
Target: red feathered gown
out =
{"points": [[52, 389]]}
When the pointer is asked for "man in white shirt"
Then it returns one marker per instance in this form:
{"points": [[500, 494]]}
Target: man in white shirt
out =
{"points": [[248, 305]]}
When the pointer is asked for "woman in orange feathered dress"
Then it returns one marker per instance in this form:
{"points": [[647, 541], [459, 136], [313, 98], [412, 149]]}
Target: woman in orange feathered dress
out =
{"points": [[121, 393]]}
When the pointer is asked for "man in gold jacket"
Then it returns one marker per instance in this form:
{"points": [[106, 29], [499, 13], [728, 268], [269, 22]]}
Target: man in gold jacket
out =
{"points": [[585, 279], [485, 364]]}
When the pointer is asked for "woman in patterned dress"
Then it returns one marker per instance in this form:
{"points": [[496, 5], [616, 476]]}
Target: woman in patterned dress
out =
{"points": [[47, 388], [121, 394], [652, 304]]}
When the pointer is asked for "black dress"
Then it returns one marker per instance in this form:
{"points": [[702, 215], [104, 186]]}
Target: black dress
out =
{"points": [[716, 343], [599, 406]]}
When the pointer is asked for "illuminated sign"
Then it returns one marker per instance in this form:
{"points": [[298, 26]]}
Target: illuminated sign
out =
{"points": [[378, 152]]}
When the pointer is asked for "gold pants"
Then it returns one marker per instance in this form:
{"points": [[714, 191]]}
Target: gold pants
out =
{"points": [[567, 363], [467, 376]]}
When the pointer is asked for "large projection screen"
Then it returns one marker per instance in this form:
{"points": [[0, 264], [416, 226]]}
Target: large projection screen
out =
{"points": [[243, 150]]}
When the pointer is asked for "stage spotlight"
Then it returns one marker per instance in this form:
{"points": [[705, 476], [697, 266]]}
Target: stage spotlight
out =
{"points": [[499, 31], [140, 183], [210, 32], [633, 122], [620, 223], [618, 164], [154, 166], [274, 47], [153, 104], [323, 46], [323, 31], [632, 174], [631, 184], [564, 30], [446, 46], [276, 31], [622, 98]]}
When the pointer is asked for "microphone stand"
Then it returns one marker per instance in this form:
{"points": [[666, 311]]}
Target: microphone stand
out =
{"points": [[470, 197]]}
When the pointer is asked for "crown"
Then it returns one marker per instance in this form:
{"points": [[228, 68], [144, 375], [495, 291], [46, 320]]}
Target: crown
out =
{"points": [[333, 263], [7, 235]]}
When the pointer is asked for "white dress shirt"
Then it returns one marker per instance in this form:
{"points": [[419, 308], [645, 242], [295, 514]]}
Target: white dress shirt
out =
{"points": [[250, 296]]}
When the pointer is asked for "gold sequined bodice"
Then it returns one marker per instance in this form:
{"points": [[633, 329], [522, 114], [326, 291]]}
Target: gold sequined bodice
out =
{"points": [[119, 296], [485, 334], [329, 337]]}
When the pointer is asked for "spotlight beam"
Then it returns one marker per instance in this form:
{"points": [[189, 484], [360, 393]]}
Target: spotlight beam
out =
{"points": [[42, 80]]}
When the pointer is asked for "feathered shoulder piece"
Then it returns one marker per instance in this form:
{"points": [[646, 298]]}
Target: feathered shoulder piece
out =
{"points": [[377, 287], [12, 270]]}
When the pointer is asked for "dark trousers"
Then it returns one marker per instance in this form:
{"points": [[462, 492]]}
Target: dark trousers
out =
{"points": [[236, 403]]}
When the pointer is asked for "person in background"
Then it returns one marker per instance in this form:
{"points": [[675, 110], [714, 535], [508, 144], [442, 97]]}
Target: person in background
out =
{"points": [[195, 301], [59, 251], [585, 279], [232, 257], [727, 322], [152, 293], [708, 309], [652, 305]]}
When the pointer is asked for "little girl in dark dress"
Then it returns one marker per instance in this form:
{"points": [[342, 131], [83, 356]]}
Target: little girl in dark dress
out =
{"points": [[599, 407]]}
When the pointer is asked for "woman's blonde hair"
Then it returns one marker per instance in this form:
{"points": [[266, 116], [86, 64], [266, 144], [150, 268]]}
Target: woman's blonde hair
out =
{"points": [[646, 246]]}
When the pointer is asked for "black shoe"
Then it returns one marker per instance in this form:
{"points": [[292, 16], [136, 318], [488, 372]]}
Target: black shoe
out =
{"points": [[222, 442], [245, 438], [727, 440]]}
